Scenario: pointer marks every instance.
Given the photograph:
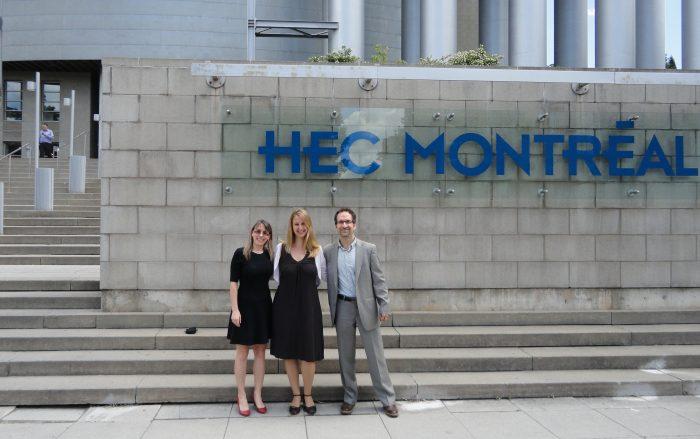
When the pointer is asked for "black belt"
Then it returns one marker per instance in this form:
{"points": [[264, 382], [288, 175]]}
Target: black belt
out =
{"points": [[346, 298]]}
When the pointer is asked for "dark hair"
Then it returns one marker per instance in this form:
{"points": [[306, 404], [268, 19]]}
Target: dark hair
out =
{"points": [[345, 209]]}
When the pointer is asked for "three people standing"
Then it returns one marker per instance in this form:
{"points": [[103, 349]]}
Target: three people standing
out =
{"points": [[357, 295]]}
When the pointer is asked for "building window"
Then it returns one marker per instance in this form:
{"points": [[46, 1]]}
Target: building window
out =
{"points": [[52, 103], [13, 100]]}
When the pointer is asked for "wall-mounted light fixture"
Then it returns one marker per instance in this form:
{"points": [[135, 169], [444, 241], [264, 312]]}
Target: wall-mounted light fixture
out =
{"points": [[580, 88]]}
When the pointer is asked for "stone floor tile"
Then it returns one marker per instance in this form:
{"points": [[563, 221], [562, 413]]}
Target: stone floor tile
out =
{"points": [[688, 412], [124, 413], [673, 401], [503, 425], [32, 430], [106, 430], [271, 428], [616, 402], [333, 408], [345, 427], [186, 429], [424, 421], [580, 424], [45, 414], [539, 404], [653, 421], [194, 411], [5, 410], [481, 405]]}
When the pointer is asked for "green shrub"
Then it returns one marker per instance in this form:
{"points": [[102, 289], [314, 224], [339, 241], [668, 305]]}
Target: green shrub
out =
{"points": [[381, 54], [473, 57], [342, 55]]}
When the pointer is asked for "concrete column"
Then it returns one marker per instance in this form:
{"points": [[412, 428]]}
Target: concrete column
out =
{"points": [[615, 44], [651, 37], [571, 33], [493, 27], [410, 31], [691, 34], [350, 16], [438, 28], [43, 189], [527, 36], [76, 179]]}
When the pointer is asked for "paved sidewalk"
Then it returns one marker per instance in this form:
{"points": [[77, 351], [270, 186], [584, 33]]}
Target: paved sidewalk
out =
{"points": [[675, 417], [49, 272]]}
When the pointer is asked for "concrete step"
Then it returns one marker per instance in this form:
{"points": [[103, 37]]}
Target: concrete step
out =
{"points": [[86, 213], [50, 239], [24, 300], [36, 318], [29, 207], [25, 200], [49, 259], [48, 285], [49, 249], [129, 362], [52, 222], [52, 230], [393, 337], [143, 389]]}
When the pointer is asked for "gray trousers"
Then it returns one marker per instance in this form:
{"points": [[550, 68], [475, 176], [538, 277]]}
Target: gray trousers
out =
{"points": [[346, 320]]}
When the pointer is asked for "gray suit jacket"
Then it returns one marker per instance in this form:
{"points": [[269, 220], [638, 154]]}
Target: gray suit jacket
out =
{"points": [[370, 285]]}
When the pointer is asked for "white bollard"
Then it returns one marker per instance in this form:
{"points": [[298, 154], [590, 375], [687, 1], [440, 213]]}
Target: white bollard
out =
{"points": [[43, 189], [2, 206], [76, 178]]}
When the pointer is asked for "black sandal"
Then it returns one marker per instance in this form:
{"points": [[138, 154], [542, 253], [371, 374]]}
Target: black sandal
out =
{"points": [[310, 410], [295, 410]]}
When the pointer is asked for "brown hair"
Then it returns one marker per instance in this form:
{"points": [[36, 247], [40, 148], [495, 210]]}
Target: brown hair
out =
{"points": [[310, 243], [345, 209], [249, 244]]}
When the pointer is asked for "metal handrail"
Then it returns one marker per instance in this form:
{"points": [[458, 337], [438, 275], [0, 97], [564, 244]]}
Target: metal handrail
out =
{"points": [[9, 163], [82, 133]]}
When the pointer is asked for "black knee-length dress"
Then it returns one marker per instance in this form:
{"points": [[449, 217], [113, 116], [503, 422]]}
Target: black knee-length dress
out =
{"points": [[254, 301], [296, 311]]}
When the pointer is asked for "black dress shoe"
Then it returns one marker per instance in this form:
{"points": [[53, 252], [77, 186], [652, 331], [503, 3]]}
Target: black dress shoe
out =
{"points": [[346, 409], [309, 409], [391, 411], [294, 410]]}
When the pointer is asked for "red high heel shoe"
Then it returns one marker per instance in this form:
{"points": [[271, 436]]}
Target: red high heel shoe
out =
{"points": [[244, 413], [262, 410]]}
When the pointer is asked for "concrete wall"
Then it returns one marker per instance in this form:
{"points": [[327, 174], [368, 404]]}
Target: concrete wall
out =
{"points": [[169, 228]]}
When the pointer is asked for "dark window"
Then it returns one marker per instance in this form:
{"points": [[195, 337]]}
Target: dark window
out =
{"points": [[51, 102], [13, 100]]}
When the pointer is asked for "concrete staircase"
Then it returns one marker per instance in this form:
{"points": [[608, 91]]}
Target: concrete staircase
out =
{"points": [[69, 235], [58, 347], [80, 355]]}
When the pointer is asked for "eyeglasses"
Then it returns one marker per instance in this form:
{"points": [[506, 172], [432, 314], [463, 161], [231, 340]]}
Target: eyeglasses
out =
{"points": [[261, 232], [344, 222]]}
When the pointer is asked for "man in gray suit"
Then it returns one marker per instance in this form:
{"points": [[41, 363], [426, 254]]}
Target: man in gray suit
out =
{"points": [[358, 298]]}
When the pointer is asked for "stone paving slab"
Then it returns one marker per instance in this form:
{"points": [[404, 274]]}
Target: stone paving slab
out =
{"points": [[537, 418], [49, 414]]}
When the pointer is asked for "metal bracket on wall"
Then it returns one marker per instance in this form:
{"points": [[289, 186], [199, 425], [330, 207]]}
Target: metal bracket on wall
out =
{"points": [[368, 84], [216, 81]]}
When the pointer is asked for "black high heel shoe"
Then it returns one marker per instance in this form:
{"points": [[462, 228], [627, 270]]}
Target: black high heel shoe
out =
{"points": [[310, 410], [295, 410]]}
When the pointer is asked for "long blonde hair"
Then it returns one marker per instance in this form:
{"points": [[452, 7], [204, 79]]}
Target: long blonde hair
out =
{"points": [[310, 243], [249, 244]]}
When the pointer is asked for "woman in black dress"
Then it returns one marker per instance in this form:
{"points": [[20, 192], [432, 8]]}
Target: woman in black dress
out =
{"points": [[296, 311], [251, 308]]}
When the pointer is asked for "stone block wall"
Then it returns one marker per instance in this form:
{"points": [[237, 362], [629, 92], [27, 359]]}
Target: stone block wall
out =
{"points": [[169, 226]]}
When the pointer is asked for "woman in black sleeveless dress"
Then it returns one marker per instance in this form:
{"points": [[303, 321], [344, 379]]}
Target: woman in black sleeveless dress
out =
{"points": [[251, 311], [296, 311]]}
